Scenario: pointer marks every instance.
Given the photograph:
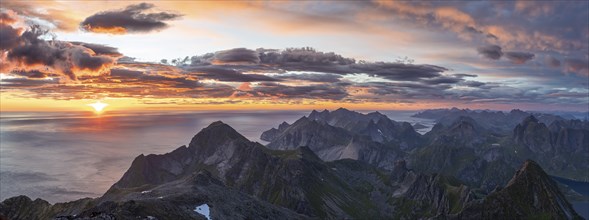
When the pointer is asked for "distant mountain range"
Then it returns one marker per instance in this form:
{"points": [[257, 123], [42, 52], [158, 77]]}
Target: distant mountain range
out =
{"points": [[346, 165]]}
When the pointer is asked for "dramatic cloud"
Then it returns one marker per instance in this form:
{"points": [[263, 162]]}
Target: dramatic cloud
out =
{"points": [[132, 19], [518, 57], [279, 76], [28, 51], [300, 59], [490, 51], [512, 34]]}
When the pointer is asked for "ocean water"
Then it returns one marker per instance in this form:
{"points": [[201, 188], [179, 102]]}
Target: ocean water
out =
{"points": [[66, 156], [582, 207]]}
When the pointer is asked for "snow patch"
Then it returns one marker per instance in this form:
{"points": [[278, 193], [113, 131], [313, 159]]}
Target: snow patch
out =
{"points": [[379, 131], [203, 210]]}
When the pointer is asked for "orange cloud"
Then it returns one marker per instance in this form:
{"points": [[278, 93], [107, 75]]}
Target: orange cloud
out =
{"points": [[105, 30]]}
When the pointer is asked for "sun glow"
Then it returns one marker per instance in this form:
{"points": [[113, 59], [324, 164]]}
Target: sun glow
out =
{"points": [[98, 106]]}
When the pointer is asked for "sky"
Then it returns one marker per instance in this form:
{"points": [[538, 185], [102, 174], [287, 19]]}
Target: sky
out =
{"points": [[237, 55]]}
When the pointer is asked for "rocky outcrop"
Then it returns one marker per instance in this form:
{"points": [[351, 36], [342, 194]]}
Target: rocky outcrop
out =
{"points": [[531, 194]]}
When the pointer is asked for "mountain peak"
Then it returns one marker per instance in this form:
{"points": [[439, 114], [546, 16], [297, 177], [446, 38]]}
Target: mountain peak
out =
{"points": [[465, 125], [531, 193], [215, 134], [529, 168], [530, 119], [283, 125]]}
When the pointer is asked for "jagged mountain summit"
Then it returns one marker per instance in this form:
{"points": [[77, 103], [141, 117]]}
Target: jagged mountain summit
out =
{"points": [[530, 194], [240, 179], [341, 134]]}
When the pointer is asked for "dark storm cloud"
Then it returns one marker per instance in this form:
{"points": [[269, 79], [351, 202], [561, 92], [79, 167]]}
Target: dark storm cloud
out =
{"points": [[462, 75], [99, 49], [132, 19], [306, 60], [519, 57], [312, 77], [138, 78], [443, 80], [404, 90], [237, 55], [307, 56], [322, 91], [473, 83], [228, 75], [398, 71], [490, 51]]}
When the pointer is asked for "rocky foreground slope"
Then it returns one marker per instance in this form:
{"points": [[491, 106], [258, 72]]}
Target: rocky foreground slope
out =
{"points": [[240, 179]]}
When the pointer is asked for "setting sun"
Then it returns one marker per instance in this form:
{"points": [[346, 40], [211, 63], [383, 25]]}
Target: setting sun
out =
{"points": [[98, 106]]}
